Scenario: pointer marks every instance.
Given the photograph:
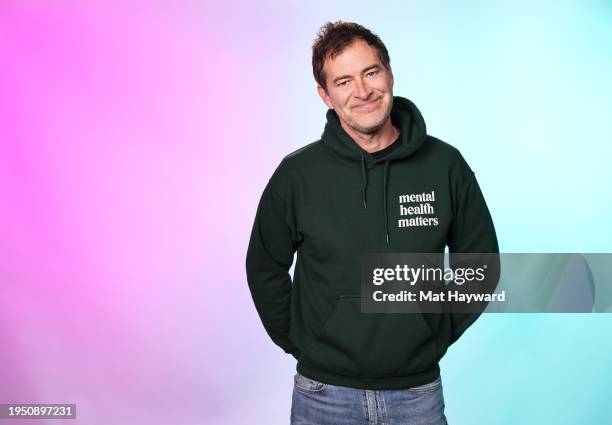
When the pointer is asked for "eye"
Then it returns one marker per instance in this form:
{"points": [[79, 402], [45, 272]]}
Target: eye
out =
{"points": [[372, 73], [344, 83]]}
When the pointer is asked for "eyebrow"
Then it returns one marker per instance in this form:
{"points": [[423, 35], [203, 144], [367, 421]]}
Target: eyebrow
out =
{"points": [[362, 72]]}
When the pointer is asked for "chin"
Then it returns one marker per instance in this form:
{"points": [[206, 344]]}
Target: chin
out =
{"points": [[373, 125], [368, 128]]}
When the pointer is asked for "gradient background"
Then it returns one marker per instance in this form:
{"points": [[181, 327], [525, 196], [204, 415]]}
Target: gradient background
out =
{"points": [[136, 138]]}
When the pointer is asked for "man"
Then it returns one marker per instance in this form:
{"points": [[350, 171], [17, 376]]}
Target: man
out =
{"points": [[336, 199]]}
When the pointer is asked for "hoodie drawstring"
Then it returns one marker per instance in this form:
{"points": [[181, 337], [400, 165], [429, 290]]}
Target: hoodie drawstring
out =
{"points": [[385, 200], [364, 178]]}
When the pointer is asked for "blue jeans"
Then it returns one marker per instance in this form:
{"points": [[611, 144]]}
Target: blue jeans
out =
{"points": [[318, 403]]}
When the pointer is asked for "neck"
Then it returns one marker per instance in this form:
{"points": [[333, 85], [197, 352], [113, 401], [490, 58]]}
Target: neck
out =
{"points": [[376, 141]]}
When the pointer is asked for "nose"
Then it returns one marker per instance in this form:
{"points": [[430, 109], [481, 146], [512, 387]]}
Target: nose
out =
{"points": [[362, 90]]}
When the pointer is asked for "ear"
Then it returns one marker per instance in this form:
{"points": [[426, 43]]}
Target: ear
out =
{"points": [[391, 74], [324, 96]]}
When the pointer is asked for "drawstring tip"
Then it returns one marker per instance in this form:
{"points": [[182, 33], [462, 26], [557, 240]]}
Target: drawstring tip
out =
{"points": [[363, 198], [387, 238]]}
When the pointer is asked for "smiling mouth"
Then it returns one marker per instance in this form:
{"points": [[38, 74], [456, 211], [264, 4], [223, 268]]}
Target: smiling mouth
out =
{"points": [[368, 105]]}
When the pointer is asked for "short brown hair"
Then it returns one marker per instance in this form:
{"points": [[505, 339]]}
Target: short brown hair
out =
{"points": [[334, 37]]}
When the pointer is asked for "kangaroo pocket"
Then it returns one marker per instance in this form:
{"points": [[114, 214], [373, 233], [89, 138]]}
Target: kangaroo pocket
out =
{"points": [[374, 344]]}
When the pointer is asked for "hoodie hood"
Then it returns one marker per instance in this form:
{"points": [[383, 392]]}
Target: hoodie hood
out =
{"points": [[405, 116]]}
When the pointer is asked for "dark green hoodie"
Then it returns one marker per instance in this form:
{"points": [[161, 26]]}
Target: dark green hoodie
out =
{"points": [[332, 202]]}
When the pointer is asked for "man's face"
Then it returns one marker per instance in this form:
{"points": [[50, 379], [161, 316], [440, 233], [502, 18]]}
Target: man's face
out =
{"points": [[359, 88]]}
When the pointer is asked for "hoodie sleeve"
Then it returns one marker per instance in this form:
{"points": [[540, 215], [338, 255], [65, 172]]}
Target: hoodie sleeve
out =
{"points": [[471, 231], [269, 257]]}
